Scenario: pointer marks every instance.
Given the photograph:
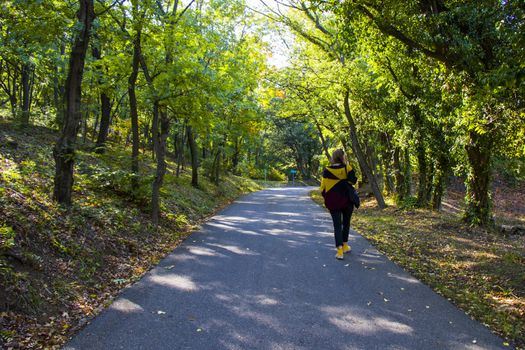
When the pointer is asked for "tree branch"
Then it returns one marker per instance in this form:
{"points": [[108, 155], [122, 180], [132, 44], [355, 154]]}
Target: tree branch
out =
{"points": [[315, 19], [120, 2]]}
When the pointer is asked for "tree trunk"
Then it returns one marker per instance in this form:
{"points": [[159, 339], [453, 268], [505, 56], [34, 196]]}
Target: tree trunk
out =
{"points": [[422, 176], [95, 128], [105, 113], [443, 165], [26, 92], [431, 176], [105, 116], [387, 162], [194, 157], [421, 157], [216, 168], [84, 123], [360, 155], [438, 187], [402, 174], [160, 147], [323, 140], [12, 89], [64, 150], [235, 156], [479, 152], [132, 81], [180, 152]]}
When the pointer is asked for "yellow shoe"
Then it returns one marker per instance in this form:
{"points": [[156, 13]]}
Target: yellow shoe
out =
{"points": [[339, 255], [346, 248]]}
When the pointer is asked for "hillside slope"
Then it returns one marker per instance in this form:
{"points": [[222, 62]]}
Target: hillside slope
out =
{"points": [[59, 267]]}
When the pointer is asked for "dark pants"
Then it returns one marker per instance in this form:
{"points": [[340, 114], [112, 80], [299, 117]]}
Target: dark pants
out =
{"points": [[341, 219]]}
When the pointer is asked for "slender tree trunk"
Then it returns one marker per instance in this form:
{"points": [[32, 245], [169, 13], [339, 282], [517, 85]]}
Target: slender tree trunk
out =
{"points": [[438, 186], [64, 150], [216, 168], [387, 161], [421, 157], [431, 175], [160, 148], [180, 152], [442, 169], [422, 176], [105, 112], [84, 127], [408, 171], [105, 116], [236, 153], [95, 127], [26, 92], [145, 137], [132, 81], [365, 168], [12, 89], [323, 140], [194, 157], [399, 176], [479, 205]]}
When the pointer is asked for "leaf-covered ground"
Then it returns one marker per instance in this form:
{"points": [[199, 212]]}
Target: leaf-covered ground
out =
{"points": [[60, 268], [481, 271]]}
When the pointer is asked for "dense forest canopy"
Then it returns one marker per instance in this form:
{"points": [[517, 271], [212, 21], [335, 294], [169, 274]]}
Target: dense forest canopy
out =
{"points": [[416, 91]]}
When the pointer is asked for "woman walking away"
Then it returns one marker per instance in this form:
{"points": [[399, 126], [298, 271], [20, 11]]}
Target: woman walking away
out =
{"points": [[337, 190]]}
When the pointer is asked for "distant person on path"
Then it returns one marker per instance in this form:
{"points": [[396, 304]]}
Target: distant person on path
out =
{"points": [[337, 193]]}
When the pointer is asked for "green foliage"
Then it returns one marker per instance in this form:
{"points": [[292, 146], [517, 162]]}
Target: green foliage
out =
{"points": [[121, 182], [7, 238], [512, 169], [276, 175], [408, 203]]}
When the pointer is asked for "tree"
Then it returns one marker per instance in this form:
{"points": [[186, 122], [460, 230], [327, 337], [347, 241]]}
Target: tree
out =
{"points": [[471, 40], [64, 150]]}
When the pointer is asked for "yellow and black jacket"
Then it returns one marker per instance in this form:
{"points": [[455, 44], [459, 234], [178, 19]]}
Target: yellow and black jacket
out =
{"points": [[336, 186]]}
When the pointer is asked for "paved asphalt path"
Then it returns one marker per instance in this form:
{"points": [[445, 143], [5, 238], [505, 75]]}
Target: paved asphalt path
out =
{"points": [[262, 275]]}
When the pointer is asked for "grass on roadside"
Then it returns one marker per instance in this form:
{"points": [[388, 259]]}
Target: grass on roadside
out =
{"points": [[480, 271]]}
